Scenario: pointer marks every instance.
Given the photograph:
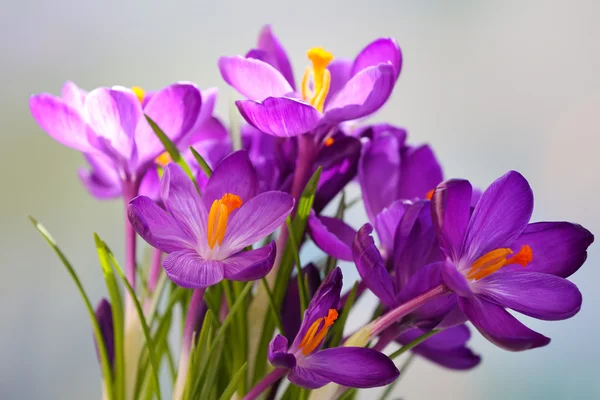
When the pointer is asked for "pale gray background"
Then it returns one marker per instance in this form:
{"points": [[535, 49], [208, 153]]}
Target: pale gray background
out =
{"points": [[493, 85]]}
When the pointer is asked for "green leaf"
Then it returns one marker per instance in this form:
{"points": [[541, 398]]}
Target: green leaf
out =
{"points": [[338, 327], [233, 384], [413, 344], [272, 307], [117, 313], [349, 394], [171, 149], [142, 320], [198, 355], [201, 162], [331, 261], [106, 370], [302, 290], [209, 381]]}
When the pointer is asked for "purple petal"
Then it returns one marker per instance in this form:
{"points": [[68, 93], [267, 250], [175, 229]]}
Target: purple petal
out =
{"points": [[254, 79], [559, 248], [420, 172], [62, 122], [499, 327], [182, 200], [307, 378], [208, 100], [383, 50], [150, 185], [290, 309], [362, 95], [105, 320], [332, 236], [371, 267], [386, 223], [280, 116], [250, 265], [340, 71], [461, 358], [500, 216], [278, 58], [157, 227], [234, 174], [451, 210], [536, 294], [102, 179], [257, 219], [73, 96], [189, 270], [455, 280], [278, 355], [379, 157], [352, 366], [114, 114]]}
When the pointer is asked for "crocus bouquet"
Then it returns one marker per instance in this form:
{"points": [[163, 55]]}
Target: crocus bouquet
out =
{"points": [[226, 214]]}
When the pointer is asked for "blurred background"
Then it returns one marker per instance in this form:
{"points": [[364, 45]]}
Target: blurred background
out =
{"points": [[491, 85]]}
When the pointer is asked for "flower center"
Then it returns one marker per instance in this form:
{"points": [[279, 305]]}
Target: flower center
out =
{"points": [[329, 141], [496, 259], [139, 93], [219, 216], [317, 332], [321, 78], [163, 159]]}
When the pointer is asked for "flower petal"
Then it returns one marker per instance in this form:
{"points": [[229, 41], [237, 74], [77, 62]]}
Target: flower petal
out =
{"points": [[290, 309], [499, 327], [357, 367], [62, 122], [340, 70], [280, 116], [362, 95], [420, 172], [250, 265], [386, 223], [105, 320], [455, 280], [257, 219], [182, 200], [461, 358], [542, 296], [451, 210], [500, 216], [332, 235], [278, 58], [254, 79], [307, 378], [371, 267], [156, 226], [382, 50], [74, 96], [102, 179], [379, 157], [175, 110], [278, 355], [234, 174], [189, 270], [559, 248]]}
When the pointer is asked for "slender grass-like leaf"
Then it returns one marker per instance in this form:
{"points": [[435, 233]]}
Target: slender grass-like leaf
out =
{"points": [[233, 384], [414, 343], [201, 162], [198, 357], [338, 327], [106, 369], [302, 290], [209, 381], [272, 307]]}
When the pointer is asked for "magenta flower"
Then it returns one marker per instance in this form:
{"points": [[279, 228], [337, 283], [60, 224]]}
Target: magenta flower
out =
{"points": [[330, 91], [311, 367], [496, 259], [108, 126], [204, 237]]}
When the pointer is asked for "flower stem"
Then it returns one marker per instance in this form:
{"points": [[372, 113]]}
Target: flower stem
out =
{"points": [[265, 383], [155, 268], [130, 189], [195, 315]]}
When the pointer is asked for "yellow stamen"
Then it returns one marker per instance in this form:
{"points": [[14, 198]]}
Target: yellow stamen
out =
{"points": [[321, 78], [163, 159], [139, 93], [496, 259], [329, 141], [218, 217], [429, 194], [316, 333]]}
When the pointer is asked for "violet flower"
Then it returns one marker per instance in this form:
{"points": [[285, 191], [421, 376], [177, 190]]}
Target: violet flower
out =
{"points": [[108, 125], [204, 237], [311, 367], [330, 91], [413, 247], [105, 320], [496, 259]]}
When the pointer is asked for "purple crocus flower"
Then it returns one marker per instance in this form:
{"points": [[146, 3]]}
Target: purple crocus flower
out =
{"points": [[329, 93], [291, 317], [108, 125], [105, 320], [413, 247], [204, 237], [311, 367], [496, 259]]}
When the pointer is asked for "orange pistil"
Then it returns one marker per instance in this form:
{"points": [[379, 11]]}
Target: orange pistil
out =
{"points": [[329, 141], [429, 194], [139, 93], [321, 78], [163, 159], [496, 259], [316, 333], [219, 216]]}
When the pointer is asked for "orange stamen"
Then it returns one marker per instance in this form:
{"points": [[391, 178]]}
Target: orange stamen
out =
{"points": [[496, 259], [139, 93], [316, 333], [429, 194], [163, 159], [321, 78], [329, 141], [218, 217]]}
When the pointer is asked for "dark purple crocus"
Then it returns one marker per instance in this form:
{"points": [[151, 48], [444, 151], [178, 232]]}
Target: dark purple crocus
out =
{"points": [[330, 91], [105, 321], [412, 246], [108, 125], [311, 367], [496, 259], [204, 237]]}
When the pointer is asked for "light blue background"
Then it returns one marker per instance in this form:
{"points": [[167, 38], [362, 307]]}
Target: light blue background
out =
{"points": [[491, 85]]}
